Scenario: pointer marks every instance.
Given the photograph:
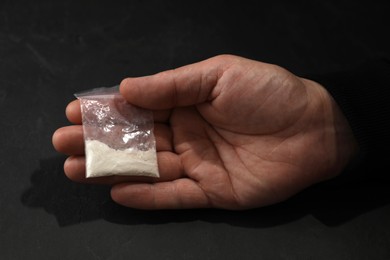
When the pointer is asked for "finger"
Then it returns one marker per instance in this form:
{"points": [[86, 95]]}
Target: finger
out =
{"points": [[74, 168], [163, 135], [188, 85], [73, 112], [161, 116], [169, 164], [69, 140], [177, 194]]}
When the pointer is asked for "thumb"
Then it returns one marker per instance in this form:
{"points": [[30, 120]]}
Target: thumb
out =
{"points": [[184, 86]]}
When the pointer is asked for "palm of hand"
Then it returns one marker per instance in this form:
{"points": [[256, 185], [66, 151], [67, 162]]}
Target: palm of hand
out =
{"points": [[254, 151]]}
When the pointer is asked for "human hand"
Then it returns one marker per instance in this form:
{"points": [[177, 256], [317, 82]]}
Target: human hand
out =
{"points": [[230, 133]]}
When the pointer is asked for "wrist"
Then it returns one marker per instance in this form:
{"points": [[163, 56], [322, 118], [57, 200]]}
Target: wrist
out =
{"points": [[337, 133]]}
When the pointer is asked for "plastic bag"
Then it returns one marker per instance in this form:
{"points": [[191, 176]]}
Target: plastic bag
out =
{"points": [[118, 137]]}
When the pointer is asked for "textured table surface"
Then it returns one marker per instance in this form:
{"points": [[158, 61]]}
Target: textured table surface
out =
{"points": [[52, 49]]}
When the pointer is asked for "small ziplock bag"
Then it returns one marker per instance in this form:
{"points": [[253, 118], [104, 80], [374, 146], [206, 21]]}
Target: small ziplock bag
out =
{"points": [[118, 136]]}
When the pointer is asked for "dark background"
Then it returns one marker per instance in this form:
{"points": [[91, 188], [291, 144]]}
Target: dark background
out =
{"points": [[52, 49]]}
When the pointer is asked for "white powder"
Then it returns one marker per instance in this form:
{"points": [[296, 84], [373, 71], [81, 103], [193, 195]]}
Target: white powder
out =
{"points": [[101, 160]]}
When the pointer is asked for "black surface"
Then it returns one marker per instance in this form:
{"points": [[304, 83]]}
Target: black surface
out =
{"points": [[51, 49]]}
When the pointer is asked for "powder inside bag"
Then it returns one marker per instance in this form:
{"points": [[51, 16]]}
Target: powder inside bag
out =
{"points": [[101, 160]]}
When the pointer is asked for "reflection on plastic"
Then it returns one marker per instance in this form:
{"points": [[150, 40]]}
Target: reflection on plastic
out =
{"points": [[117, 135]]}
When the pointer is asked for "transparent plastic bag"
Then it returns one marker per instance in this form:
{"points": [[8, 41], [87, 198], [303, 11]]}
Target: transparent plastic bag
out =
{"points": [[118, 137]]}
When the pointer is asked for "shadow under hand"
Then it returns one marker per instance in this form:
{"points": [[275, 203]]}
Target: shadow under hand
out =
{"points": [[73, 203], [69, 202], [334, 205]]}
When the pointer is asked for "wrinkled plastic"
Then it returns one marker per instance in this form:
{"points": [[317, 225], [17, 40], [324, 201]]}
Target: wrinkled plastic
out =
{"points": [[110, 120]]}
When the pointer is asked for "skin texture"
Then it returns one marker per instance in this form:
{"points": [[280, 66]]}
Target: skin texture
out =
{"points": [[231, 133]]}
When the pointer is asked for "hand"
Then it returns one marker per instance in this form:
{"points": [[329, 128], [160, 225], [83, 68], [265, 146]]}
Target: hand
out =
{"points": [[231, 133]]}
